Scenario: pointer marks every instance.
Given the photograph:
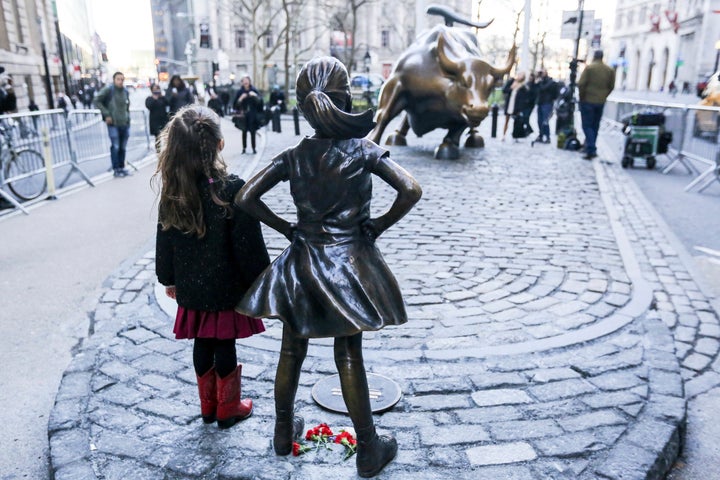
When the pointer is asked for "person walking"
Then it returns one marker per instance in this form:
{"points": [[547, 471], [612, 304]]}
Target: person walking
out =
{"points": [[250, 104], [519, 99], [547, 92], [178, 95], [157, 106], [208, 253], [332, 280], [595, 84], [113, 101]]}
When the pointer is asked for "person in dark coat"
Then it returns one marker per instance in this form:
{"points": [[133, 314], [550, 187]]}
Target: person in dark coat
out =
{"points": [[518, 103], [178, 94], [250, 103], [158, 107]]}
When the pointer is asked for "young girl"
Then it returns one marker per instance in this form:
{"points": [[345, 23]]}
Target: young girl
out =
{"points": [[331, 281], [208, 253]]}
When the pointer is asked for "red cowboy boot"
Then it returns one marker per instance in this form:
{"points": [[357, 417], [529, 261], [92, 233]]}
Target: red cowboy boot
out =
{"points": [[231, 409], [207, 389]]}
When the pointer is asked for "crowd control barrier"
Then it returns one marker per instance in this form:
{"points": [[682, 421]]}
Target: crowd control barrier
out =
{"points": [[41, 151], [695, 145]]}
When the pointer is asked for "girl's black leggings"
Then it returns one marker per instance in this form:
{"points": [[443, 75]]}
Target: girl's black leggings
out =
{"points": [[209, 352]]}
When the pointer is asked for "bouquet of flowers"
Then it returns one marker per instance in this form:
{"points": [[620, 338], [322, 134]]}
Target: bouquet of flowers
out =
{"points": [[323, 436]]}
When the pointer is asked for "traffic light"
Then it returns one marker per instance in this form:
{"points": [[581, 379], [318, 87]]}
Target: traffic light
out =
{"points": [[104, 57], [215, 67]]}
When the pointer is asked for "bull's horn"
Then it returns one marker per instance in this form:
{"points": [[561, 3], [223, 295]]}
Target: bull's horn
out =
{"points": [[447, 64], [499, 72], [451, 17]]}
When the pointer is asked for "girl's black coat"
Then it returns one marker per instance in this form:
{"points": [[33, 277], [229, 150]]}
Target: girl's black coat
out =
{"points": [[212, 273]]}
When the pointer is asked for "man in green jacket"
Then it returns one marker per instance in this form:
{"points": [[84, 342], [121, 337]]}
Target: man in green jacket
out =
{"points": [[114, 103], [595, 84]]}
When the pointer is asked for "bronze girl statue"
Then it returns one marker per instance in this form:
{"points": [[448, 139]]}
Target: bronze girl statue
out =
{"points": [[332, 280]]}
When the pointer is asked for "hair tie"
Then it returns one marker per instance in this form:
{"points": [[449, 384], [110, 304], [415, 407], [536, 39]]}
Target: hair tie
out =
{"points": [[211, 180]]}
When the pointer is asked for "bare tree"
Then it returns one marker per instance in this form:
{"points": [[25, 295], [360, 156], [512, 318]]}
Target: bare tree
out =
{"points": [[344, 18], [260, 17], [297, 24]]}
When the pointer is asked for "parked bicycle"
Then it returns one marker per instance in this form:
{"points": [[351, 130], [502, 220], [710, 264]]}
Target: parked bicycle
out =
{"points": [[21, 169]]}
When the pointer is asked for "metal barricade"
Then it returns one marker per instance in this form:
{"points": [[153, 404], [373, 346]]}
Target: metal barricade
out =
{"points": [[695, 129], [69, 142]]}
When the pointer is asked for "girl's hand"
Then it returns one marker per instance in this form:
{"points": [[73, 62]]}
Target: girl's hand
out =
{"points": [[170, 291], [370, 229]]}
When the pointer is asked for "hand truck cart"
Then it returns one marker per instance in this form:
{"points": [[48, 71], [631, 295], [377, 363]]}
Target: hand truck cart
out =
{"points": [[646, 137]]}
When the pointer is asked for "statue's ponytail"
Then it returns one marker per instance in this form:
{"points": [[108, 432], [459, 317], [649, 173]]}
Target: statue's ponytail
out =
{"points": [[323, 94]]}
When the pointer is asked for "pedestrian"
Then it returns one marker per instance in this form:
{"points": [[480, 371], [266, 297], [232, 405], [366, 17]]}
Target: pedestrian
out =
{"points": [[8, 99], [547, 92], [332, 280], [277, 97], [208, 253], [215, 103], [506, 95], [178, 94], [157, 106], [32, 106], [595, 84], [113, 101], [518, 101], [63, 102], [249, 105]]}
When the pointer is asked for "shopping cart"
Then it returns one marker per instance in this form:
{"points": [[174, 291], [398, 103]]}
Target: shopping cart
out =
{"points": [[646, 138]]}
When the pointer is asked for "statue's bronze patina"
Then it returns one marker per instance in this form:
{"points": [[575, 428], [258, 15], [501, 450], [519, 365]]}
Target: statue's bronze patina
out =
{"points": [[332, 280], [440, 82]]}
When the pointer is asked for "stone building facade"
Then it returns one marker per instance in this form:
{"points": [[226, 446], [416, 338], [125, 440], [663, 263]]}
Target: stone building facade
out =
{"points": [[656, 42]]}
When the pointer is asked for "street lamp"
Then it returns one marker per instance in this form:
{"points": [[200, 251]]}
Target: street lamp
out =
{"points": [[717, 55]]}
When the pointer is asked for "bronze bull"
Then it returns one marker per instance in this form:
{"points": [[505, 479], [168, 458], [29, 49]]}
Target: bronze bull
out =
{"points": [[440, 82]]}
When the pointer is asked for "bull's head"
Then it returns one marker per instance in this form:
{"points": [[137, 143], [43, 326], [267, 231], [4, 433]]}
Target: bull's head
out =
{"points": [[474, 79]]}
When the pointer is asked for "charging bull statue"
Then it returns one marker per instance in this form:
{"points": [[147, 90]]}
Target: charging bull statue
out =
{"points": [[440, 82]]}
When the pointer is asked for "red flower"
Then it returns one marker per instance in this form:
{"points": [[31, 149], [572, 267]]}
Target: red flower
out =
{"points": [[299, 449]]}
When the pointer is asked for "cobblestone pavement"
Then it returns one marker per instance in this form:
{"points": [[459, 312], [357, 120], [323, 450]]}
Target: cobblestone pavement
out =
{"points": [[554, 333]]}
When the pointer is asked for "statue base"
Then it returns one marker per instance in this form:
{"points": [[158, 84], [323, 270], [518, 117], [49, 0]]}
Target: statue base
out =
{"points": [[474, 140], [384, 393], [447, 151], [396, 139]]}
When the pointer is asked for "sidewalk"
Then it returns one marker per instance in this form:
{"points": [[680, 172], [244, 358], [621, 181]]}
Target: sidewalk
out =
{"points": [[552, 325]]}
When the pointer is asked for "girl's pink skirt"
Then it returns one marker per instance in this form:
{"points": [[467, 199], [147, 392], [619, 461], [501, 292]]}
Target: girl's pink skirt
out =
{"points": [[225, 324]]}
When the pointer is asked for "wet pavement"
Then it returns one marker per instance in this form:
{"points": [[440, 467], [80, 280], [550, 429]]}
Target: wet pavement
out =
{"points": [[555, 333]]}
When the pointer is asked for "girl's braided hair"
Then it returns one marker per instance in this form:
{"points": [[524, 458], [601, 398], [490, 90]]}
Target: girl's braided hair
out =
{"points": [[191, 157]]}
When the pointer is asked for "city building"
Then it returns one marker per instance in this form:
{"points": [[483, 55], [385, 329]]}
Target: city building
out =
{"points": [[28, 50], [270, 39], [659, 42], [48, 47]]}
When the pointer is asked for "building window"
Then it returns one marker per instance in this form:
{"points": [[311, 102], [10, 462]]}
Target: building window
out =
{"points": [[385, 38], [269, 39], [240, 39], [618, 21], [631, 17], [297, 40]]}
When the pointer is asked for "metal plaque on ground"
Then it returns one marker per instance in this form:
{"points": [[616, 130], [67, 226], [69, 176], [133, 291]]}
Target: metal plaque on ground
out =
{"points": [[384, 393]]}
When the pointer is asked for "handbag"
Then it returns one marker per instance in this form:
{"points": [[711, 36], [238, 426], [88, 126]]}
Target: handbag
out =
{"points": [[238, 119]]}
